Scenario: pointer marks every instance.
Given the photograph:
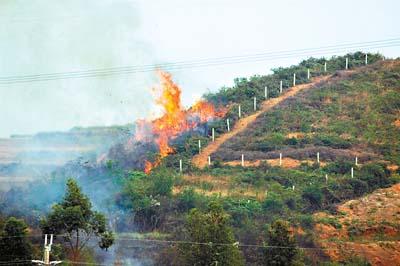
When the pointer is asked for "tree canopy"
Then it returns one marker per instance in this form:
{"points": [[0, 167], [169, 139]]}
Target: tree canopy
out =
{"points": [[14, 244], [212, 229], [74, 217]]}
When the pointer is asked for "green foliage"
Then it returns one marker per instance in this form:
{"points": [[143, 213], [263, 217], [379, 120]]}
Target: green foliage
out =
{"points": [[212, 229], [143, 195], [339, 167], [14, 244], [74, 217], [281, 247], [273, 204], [375, 175]]}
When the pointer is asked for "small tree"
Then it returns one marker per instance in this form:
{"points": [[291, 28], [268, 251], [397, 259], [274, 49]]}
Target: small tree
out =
{"points": [[281, 250], [14, 245], [214, 243], [74, 217]]}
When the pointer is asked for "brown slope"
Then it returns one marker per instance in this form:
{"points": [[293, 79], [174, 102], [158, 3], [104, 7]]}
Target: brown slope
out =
{"points": [[369, 227]]}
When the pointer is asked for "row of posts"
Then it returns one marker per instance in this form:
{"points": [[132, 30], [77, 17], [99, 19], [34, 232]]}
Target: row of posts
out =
{"points": [[280, 162], [266, 97], [281, 89]]}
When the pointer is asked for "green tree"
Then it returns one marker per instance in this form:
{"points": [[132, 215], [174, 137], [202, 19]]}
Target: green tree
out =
{"points": [[14, 245], [212, 229], [74, 217], [281, 250]]}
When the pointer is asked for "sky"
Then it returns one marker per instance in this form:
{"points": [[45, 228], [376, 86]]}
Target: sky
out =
{"points": [[47, 36]]}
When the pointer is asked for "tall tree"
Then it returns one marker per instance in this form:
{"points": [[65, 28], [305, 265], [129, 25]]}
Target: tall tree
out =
{"points": [[214, 243], [14, 244], [74, 217], [281, 249]]}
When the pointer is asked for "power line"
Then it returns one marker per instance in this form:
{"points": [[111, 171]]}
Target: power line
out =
{"points": [[201, 62], [160, 241]]}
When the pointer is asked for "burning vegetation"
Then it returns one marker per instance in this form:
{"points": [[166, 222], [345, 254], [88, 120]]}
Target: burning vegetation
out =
{"points": [[174, 120]]}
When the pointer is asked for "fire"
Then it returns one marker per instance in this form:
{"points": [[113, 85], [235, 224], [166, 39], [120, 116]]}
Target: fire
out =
{"points": [[174, 120]]}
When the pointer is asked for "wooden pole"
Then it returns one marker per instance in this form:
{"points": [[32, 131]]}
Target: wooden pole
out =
{"points": [[294, 79], [199, 146]]}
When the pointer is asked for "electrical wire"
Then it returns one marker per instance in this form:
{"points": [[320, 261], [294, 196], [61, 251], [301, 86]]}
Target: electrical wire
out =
{"points": [[201, 62]]}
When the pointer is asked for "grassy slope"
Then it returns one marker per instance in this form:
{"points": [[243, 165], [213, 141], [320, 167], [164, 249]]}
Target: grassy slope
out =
{"points": [[355, 115], [337, 119]]}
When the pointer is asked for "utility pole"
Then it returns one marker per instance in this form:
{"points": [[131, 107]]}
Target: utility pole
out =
{"points": [[46, 256]]}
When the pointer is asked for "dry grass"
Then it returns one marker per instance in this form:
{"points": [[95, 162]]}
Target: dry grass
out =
{"points": [[219, 186], [286, 162]]}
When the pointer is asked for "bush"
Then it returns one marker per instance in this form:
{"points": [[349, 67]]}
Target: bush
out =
{"points": [[313, 196], [339, 167], [273, 204], [375, 174], [187, 199]]}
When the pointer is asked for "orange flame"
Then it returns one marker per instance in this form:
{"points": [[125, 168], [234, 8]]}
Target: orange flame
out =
{"points": [[175, 119]]}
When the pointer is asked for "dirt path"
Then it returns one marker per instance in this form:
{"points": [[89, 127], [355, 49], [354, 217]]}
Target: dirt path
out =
{"points": [[201, 160]]}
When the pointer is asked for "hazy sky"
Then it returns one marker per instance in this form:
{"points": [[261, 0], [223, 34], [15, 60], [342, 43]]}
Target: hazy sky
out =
{"points": [[47, 36]]}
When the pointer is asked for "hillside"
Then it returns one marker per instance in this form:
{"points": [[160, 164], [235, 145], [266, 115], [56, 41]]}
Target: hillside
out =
{"points": [[32, 157], [337, 113], [355, 113], [368, 226], [350, 118]]}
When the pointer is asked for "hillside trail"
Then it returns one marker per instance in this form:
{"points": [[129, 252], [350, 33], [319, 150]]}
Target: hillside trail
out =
{"points": [[201, 160]]}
